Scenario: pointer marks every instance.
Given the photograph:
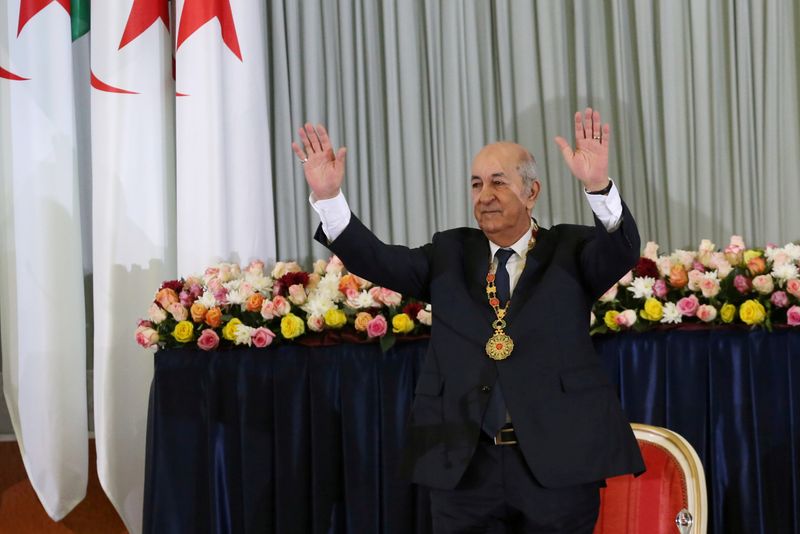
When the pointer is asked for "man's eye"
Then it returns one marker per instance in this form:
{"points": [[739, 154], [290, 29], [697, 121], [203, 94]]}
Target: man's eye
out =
{"points": [[476, 185], [498, 182]]}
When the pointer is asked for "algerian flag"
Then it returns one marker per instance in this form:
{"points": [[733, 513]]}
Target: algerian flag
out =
{"points": [[41, 275], [133, 173], [225, 206]]}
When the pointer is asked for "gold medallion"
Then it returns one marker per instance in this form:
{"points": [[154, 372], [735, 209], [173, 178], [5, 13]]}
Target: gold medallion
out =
{"points": [[499, 346]]}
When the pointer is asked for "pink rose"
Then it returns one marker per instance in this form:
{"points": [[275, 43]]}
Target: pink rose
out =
{"points": [[688, 306], [763, 284], [706, 313], [779, 299], [626, 318], [179, 313], [297, 294], [709, 287], [377, 326], [335, 265], [425, 317], [742, 283], [186, 298], [660, 288], [385, 296], [146, 336], [246, 290], [208, 340], [610, 294], [262, 337], [316, 323], [793, 287], [698, 266], [281, 306], [793, 316], [664, 265], [156, 313], [268, 310], [256, 267], [351, 294], [695, 277], [650, 251]]}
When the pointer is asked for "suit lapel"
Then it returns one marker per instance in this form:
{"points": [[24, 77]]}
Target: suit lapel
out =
{"points": [[538, 258], [476, 265]]}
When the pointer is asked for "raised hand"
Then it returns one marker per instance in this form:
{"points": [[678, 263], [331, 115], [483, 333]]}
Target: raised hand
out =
{"points": [[323, 169], [589, 161]]}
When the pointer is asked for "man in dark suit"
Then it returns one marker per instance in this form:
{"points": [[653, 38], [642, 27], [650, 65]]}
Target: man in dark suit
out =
{"points": [[514, 425]]}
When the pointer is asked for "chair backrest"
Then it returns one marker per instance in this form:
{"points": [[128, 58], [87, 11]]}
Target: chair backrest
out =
{"points": [[650, 503]]}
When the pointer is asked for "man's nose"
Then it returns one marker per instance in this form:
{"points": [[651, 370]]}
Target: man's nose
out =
{"points": [[486, 195]]}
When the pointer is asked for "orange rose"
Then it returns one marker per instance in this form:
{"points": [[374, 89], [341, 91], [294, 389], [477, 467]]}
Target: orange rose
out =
{"points": [[254, 302], [349, 281], [166, 296], [198, 312], [362, 320], [214, 317], [756, 265], [678, 277]]}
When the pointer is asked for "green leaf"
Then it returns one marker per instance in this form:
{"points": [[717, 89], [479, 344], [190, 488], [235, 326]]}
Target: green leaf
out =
{"points": [[387, 342]]}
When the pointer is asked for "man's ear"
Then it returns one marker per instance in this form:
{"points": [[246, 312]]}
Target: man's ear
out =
{"points": [[536, 188]]}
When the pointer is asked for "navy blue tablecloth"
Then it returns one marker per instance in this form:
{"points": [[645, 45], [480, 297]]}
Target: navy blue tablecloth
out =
{"points": [[306, 440]]}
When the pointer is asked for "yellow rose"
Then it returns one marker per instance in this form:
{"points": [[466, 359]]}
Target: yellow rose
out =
{"points": [[184, 332], [402, 324], [229, 330], [752, 312], [292, 326], [653, 310], [750, 254], [362, 320], [335, 318], [727, 312], [610, 318]]}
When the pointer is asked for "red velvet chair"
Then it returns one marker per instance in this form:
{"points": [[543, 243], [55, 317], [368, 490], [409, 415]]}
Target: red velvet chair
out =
{"points": [[673, 485]]}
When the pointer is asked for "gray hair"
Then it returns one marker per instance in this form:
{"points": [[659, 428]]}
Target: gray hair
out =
{"points": [[527, 170]]}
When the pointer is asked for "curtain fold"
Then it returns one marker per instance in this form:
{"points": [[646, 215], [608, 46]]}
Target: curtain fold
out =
{"points": [[702, 98]]}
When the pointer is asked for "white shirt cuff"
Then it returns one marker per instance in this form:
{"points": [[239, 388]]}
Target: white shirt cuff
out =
{"points": [[334, 213], [608, 208]]}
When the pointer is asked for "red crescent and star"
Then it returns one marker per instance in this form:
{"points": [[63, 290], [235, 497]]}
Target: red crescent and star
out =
{"points": [[144, 13], [27, 10]]}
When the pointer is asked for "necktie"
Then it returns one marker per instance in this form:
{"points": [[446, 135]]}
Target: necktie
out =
{"points": [[495, 416]]}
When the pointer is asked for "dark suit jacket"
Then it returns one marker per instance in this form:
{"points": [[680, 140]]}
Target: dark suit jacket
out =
{"points": [[568, 421]]}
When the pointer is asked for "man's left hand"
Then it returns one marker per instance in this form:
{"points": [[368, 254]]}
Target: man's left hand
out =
{"points": [[588, 162]]}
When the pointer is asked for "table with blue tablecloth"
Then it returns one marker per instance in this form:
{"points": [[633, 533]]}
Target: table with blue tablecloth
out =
{"points": [[301, 439]]}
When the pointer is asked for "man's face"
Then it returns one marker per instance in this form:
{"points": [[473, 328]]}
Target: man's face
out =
{"points": [[501, 203]]}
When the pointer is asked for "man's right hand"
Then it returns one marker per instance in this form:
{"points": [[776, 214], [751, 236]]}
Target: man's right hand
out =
{"points": [[324, 170]]}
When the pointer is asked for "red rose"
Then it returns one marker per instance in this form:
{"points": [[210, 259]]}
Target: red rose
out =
{"points": [[412, 309], [646, 267], [290, 279], [175, 285]]}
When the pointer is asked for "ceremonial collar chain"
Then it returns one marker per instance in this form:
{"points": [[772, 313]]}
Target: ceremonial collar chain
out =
{"points": [[500, 345]]}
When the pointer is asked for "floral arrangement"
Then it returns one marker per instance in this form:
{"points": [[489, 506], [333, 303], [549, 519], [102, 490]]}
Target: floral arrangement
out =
{"points": [[754, 287], [231, 306]]}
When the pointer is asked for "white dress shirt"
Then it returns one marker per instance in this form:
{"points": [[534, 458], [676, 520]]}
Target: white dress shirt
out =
{"points": [[335, 216]]}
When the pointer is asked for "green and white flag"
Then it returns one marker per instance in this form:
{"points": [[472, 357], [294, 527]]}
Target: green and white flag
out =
{"points": [[41, 269]]}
